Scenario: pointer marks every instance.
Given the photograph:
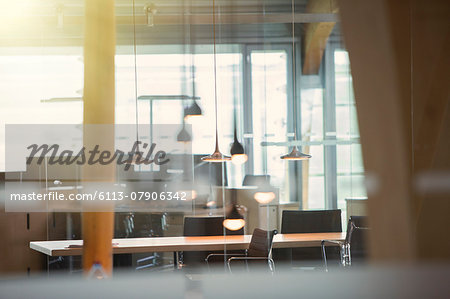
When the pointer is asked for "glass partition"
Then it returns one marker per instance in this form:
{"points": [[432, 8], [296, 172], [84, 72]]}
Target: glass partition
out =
{"points": [[160, 71]]}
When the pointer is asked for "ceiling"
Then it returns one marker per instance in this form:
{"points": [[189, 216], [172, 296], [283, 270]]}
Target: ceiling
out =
{"points": [[35, 22]]}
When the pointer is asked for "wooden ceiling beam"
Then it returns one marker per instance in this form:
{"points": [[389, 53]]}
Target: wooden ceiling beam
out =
{"points": [[316, 35], [177, 19]]}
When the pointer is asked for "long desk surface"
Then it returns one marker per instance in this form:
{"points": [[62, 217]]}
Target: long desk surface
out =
{"points": [[174, 244]]}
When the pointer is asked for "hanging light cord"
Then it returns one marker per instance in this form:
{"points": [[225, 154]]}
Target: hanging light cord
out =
{"points": [[235, 110], [135, 74], [215, 69], [265, 91], [191, 39], [294, 112]]}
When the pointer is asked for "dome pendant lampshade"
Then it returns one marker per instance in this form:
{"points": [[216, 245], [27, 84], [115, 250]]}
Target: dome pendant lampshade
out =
{"points": [[238, 155], [217, 156], [236, 147], [265, 194], [234, 220], [295, 154], [237, 151], [193, 110], [183, 135]]}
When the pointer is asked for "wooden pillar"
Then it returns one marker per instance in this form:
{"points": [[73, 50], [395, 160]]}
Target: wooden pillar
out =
{"points": [[369, 33], [430, 48], [399, 59], [99, 105]]}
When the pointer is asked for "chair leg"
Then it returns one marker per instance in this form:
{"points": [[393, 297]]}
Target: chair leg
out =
{"points": [[346, 259], [229, 266], [324, 256], [271, 265], [348, 255]]}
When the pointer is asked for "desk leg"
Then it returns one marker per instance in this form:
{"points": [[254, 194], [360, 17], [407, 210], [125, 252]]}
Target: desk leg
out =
{"points": [[177, 260]]}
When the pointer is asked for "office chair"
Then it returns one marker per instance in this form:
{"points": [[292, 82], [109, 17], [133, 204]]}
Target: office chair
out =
{"points": [[259, 249], [314, 221], [354, 246], [317, 221], [138, 225], [203, 226]]}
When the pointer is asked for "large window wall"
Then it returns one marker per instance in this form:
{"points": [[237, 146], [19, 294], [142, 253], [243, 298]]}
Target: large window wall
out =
{"points": [[350, 168], [253, 80], [269, 99]]}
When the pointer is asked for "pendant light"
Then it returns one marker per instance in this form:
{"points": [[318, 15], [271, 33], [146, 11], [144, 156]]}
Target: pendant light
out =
{"points": [[238, 155], [265, 193], [217, 156], [295, 154], [234, 219], [264, 196], [210, 204], [194, 109], [183, 135], [136, 155]]}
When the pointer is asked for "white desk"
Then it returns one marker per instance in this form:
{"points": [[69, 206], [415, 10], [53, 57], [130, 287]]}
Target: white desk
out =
{"points": [[176, 244]]}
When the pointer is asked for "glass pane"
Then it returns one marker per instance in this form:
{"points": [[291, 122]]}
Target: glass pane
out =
{"points": [[49, 86], [343, 159], [228, 73], [344, 84], [269, 79], [350, 168], [342, 122], [316, 164], [316, 192], [315, 179], [164, 74], [312, 113]]}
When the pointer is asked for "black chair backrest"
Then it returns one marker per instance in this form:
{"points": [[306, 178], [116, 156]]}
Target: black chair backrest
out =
{"points": [[206, 226], [320, 221], [261, 243], [256, 180], [356, 236]]}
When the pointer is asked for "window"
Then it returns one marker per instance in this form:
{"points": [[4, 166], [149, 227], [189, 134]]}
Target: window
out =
{"points": [[312, 131], [269, 73], [350, 169], [169, 74], [329, 128], [42, 84]]}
